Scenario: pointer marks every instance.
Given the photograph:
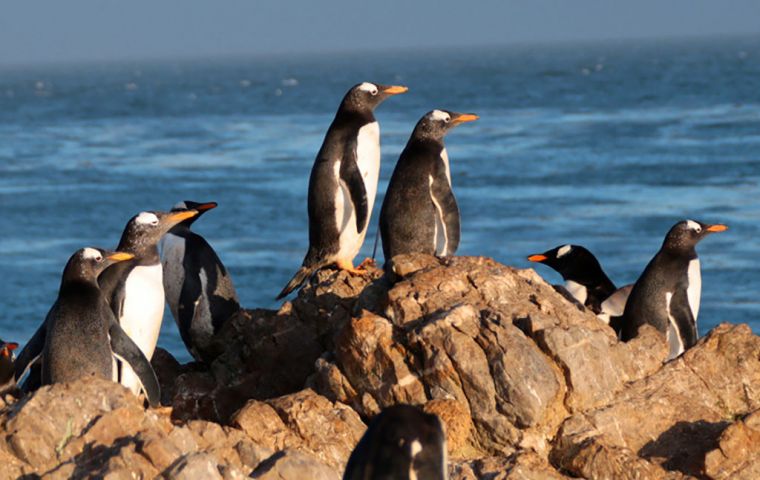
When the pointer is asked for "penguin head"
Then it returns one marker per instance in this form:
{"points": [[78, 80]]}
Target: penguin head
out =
{"points": [[573, 262], [186, 205], [146, 228], [437, 123], [6, 349], [366, 96], [401, 442], [87, 263], [684, 235]]}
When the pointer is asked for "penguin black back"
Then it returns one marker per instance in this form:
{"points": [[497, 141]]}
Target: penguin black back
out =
{"points": [[420, 213], [583, 274], [402, 442], [198, 288], [667, 294]]}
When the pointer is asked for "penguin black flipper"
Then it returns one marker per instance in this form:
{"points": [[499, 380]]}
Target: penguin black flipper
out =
{"points": [[685, 324], [31, 352], [447, 207], [352, 177], [189, 308], [126, 350]]}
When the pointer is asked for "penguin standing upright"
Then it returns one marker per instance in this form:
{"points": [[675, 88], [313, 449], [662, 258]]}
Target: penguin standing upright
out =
{"points": [[80, 336], [135, 290], [667, 295], [401, 443], [420, 213], [198, 288], [7, 380], [343, 183]]}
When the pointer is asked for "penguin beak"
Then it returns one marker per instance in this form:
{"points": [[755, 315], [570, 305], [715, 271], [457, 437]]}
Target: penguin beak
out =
{"points": [[206, 206], [8, 348], [464, 118], [395, 90], [177, 217], [718, 227], [120, 256], [537, 258]]}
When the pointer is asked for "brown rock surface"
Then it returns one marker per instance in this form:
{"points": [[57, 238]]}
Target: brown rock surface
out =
{"points": [[528, 385]]}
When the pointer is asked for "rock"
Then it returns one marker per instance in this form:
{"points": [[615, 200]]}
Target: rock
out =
{"points": [[528, 385], [193, 466], [293, 465], [738, 452], [676, 415]]}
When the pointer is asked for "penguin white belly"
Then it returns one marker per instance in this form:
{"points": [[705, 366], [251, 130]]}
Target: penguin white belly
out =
{"points": [[440, 239], [142, 314], [172, 261], [694, 290], [673, 335], [578, 291], [368, 160]]}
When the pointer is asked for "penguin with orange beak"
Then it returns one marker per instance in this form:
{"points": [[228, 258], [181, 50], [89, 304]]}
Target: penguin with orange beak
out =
{"points": [[7, 379], [343, 183], [420, 213], [198, 287], [667, 294], [135, 289]]}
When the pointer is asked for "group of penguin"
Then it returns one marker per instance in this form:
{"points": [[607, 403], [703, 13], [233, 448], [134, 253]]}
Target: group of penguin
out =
{"points": [[107, 316]]}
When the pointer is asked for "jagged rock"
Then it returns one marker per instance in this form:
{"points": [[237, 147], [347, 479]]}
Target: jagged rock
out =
{"points": [[676, 415], [527, 384], [305, 421], [738, 452]]}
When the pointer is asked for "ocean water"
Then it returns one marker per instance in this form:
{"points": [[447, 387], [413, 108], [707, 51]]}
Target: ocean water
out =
{"points": [[601, 145]]}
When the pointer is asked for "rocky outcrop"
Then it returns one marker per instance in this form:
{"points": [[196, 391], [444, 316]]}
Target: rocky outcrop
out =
{"points": [[527, 383]]}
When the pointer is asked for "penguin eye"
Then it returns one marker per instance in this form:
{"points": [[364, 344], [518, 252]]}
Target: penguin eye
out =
{"points": [[373, 91], [446, 119], [98, 259]]}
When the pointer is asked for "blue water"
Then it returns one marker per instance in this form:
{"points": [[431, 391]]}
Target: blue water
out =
{"points": [[601, 145]]}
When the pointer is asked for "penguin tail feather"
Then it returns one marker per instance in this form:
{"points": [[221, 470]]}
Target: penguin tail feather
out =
{"points": [[298, 279]]}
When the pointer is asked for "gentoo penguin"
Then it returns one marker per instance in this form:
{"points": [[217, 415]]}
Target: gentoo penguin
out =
{"points": [[135, 290], [7, 379], [420, 213], [343, 183], [198, 288], [80, 336], [667, 294], [401, 443]]}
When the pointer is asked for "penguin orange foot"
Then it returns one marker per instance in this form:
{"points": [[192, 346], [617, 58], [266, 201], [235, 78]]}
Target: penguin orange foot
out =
{"points": [[367, 262], [348, 266]]}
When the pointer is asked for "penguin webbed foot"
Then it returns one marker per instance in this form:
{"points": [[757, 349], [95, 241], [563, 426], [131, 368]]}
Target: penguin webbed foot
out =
{"points": [[348, 266], [367, 262]]}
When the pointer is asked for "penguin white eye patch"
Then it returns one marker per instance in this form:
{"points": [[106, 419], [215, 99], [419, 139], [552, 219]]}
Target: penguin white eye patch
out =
{"points": [[564, 251], [92, 254], [440, 115], [693, 225], [145, 218], [368, 87]]}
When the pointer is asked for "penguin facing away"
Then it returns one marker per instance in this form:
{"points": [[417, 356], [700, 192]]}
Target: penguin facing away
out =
{"points": [[7, 369], [80, 336], [401, 443], [343, 183], [419, 212], [135, 290], [667, 294], [198, 288]]}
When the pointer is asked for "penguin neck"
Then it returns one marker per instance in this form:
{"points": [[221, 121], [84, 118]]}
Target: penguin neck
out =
{"points": [[181, 230], [146, 253], [426, 143], [680, 252], [594, 279], [78, 286], [350, 115]]}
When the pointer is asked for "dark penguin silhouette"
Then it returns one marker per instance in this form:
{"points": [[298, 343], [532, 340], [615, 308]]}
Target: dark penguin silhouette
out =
{"points": [[135, 290], [667, 295], [7, 370], [401, 443], [420, 213], [586, 281], [80, 336], [343, 183], [198, 288]]}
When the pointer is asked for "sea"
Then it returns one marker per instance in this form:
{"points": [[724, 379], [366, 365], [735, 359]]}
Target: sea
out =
{"points": [[605, 145]]}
